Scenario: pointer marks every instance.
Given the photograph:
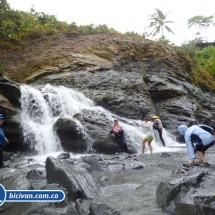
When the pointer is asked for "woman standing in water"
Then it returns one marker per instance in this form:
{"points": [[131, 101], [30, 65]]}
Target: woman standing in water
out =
{"points": [[149, 135], [118, 132], [157, 125]]}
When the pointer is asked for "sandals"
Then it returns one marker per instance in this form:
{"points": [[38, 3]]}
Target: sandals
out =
{"points": [[206, 164]]}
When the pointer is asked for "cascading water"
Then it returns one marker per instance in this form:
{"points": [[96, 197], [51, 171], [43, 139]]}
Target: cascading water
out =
{"points": [[42, 107]]}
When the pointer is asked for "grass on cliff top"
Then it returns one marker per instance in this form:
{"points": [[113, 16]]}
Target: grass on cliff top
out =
{"points": [[17, 28]]}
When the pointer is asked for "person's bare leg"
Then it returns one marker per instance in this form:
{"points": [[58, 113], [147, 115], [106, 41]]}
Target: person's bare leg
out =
{"points": [[150, 146], [143, 145], [202, 156], [200, 161]]}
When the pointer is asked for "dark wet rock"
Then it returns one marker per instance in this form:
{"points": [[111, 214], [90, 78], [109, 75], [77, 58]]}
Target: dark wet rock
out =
{"points": [[188, 194], [10, 90], [78, 182], [12, 129], [84, 165], [81, 207], [35, 175], [100, 209], [16, 181], [165, 155], [6, 156], [94, 162], [6, 206], [54, 211], [63, 155], [35, 209], [37, 184], [138, 166], [71, 210], [70, 136], [179, 171], [71, 161]]}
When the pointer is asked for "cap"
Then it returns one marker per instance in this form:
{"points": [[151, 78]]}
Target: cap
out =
{"points": [[1, 116], [115, 119], [155, 117]]}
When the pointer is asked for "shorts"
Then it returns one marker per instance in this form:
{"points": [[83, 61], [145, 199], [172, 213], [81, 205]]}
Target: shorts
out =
{"points": [[202, 148], [149, 137]]}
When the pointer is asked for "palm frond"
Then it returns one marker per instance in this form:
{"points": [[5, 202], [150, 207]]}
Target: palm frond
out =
{"points": [[156, 31], [160, 14], [168, 29]]}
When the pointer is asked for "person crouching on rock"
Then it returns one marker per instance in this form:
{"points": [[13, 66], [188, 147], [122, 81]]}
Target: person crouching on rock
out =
{"points": [[157, 125], [119, 135], [203, 139], [149, 134]]}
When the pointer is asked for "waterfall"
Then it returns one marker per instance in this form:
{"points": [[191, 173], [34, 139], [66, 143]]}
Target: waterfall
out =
{"points": [[42, 106]]}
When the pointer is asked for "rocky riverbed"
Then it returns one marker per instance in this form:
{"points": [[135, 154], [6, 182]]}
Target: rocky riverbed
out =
{"points": [[118, 184]]}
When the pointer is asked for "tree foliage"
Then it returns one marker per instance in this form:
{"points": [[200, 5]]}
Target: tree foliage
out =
{"points": [[200, 21], [206, 58], [159, 23]]}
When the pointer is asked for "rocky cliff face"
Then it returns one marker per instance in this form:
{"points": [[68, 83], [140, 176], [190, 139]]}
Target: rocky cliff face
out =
{"points": [[131, 77]]}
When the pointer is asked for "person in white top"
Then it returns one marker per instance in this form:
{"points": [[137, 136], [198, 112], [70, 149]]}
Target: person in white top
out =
{"points": [[149, 135]]}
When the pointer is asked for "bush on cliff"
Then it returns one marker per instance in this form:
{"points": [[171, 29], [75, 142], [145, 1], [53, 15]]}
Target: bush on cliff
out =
{"points": [[18, 27], [203, 63]]}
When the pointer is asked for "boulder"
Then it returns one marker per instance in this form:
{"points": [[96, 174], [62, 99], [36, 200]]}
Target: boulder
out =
{"points": [[12, 129], [63, 155], [35, 174], [187, 192], [95, 162], [78, 182], [10, 90], [70, 137]]}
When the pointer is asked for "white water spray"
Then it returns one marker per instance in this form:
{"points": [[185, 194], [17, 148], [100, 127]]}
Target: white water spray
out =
{"points": [[42, 107]]}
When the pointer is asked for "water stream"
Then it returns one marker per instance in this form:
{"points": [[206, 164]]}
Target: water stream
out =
{"points": [[41, 107]]}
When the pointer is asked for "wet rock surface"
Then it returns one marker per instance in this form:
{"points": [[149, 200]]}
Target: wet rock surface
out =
{"points": [[77, 181], [130, 184], [188, 191]]}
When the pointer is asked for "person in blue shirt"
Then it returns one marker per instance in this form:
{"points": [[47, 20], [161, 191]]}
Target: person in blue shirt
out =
{"points": [[3, 140], [202, 136]]}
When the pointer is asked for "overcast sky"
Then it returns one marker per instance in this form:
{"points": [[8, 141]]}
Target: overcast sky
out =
{"points": [[126, 15]]}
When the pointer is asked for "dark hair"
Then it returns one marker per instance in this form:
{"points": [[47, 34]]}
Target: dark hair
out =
{"points": [[146, 118]]}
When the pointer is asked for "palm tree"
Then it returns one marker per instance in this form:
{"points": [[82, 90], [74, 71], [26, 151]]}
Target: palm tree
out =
{"points": [[158, 21]]}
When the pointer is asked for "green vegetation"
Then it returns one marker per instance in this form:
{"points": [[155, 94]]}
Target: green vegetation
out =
{"points": [[17, 28], [206, 59], [203, 63], [200, 21]]}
